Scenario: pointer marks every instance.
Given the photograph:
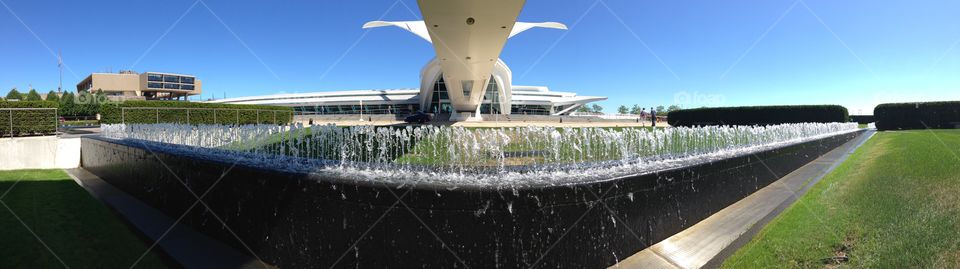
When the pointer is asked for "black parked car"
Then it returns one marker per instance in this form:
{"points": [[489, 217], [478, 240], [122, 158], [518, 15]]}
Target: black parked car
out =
{"points": [[420, 117]]}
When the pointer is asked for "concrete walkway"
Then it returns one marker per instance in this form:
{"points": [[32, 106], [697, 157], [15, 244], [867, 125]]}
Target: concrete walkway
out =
{"points": [[709, 242], [184, 245]]}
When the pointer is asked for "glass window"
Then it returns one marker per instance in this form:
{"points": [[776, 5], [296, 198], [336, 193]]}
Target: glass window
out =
{"points": [[171, 86], [169, 78], [154, 77], [492, 97], [154, 85], [186, 87], [186, 80], [530, 110]]}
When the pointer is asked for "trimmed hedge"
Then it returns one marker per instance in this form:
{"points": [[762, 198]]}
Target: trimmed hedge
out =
{"points": [[926, 115], [863, 119], [757, 115], [28, 122], [199, 113]]}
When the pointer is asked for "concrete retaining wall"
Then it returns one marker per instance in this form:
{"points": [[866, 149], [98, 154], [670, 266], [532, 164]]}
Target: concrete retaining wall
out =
{"points": [[42, 152]]}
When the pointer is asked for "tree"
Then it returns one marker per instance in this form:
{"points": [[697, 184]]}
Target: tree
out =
{"points": [[660, 109], [67, 105], [622, 110], [14, 94], [52, 96], [597, 108], [636, 110], [32, 95], [673, 108], [583, 109]]}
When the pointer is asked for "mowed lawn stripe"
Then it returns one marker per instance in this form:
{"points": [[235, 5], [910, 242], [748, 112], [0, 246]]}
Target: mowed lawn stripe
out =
{"points": [[895, 203]]}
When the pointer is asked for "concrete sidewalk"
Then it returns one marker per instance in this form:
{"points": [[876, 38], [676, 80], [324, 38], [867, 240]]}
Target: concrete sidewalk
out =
{"points": [[709, 242], [184, 245]]}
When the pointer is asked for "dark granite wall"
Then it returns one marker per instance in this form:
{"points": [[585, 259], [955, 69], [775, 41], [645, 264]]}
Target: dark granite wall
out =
{"points": [[297, 220]]}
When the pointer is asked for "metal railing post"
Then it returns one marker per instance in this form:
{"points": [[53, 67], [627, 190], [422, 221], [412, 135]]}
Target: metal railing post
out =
{"points": [[188, 116], [158, 115], [11, 123], [274, 117], [214, 116], [123, 115], [238, 116], [258, 117]]}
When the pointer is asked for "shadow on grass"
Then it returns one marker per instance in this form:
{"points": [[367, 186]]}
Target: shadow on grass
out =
{"points": [[78, 230]]}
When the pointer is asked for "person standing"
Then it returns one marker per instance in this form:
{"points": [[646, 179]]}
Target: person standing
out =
{"points": [[653, 117]]}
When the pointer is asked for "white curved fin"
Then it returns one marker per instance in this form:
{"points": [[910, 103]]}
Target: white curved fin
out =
{"points": [[418, 28], [519, 27]]}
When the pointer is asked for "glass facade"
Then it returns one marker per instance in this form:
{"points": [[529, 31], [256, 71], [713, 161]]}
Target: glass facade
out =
{"points": [[440, 101], [172, 82], [491, 99]]}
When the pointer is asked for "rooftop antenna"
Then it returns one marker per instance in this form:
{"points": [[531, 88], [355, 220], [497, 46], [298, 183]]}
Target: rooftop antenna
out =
{"points": [[60, 66]]}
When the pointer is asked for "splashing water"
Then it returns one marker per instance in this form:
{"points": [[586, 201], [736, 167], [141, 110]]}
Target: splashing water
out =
{"points": [[464, 156]]}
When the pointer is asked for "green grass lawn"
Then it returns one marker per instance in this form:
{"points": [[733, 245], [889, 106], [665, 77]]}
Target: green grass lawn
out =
{"points": [[895, 203], [80, 230]]}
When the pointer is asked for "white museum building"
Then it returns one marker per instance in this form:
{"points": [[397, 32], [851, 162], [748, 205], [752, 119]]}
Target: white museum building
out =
{"points": [[466, 79]]}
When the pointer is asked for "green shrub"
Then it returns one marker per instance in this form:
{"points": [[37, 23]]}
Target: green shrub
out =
{"points": [[32, 95], [927, 115], [28, 122], [757, 115], [193, 113], [863, 119], [53, 97], [14, 95]]}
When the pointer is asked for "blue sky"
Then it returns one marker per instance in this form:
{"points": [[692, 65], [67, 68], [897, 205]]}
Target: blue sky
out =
{"points": [[856, 53]]}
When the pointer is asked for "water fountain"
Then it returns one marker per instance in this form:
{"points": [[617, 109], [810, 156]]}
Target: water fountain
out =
{"points": [[507, 197]]}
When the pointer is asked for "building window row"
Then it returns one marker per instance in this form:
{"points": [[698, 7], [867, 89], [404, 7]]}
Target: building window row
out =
{"points": [[529, 110], [155, 85], [170, 78], [357, 109]]}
